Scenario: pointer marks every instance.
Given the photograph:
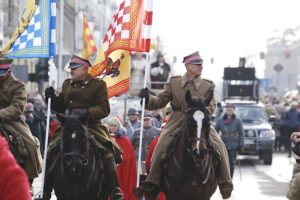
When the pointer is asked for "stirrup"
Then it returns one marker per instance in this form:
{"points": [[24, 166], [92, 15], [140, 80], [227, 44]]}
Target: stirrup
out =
{"points": [[116, 194], [148, 189]]}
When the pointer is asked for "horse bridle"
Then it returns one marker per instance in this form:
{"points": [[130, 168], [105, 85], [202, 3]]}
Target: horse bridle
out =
{"points": [[190, 150], [83, 156], [189, 136]]}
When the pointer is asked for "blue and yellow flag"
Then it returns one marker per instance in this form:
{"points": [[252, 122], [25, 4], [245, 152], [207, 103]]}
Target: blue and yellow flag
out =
{"points": [[35, 35]]}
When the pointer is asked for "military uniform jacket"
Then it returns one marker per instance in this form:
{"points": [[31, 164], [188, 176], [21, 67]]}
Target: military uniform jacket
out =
{"points": [[12, 101], [231, 141], [174, 92], [148, 135], [92, 94]]}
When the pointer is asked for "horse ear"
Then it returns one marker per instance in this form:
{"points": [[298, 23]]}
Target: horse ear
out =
{"points": [[209, 97], [188, 97]]}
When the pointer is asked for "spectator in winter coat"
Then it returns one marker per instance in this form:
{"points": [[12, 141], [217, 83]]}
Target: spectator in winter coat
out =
{"points": [[126, 171], [291, 121], [14, 182]]}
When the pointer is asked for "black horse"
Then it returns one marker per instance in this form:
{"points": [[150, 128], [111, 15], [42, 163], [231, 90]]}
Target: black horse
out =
{"points": [[190, 170], [76, 172]]}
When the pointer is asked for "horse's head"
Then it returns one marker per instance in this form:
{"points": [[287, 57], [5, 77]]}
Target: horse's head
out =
{"points": [[197, 121], [74, 145]]}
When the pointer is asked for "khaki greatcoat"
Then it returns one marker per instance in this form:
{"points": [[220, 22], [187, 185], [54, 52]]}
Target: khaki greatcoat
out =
{"points": [[12, 101], [294, 187], [174, 92]]}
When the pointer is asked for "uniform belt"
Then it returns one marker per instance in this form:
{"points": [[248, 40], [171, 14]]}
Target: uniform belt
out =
{"points": [[177, 109], [230, 134]]}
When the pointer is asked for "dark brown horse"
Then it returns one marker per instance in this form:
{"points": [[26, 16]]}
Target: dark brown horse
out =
{"points": [[76, 173], [190, 172]]}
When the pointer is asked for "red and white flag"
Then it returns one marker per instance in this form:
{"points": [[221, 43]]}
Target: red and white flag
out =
{"points": [[130, 27], [130, 30]]}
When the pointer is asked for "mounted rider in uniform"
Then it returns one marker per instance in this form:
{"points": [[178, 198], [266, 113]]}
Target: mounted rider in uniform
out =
{"points": [[174, 92], [13, 98], [86, 98]]}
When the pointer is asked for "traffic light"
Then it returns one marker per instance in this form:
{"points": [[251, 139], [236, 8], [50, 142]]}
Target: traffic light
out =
{"points": [[42, 69]]}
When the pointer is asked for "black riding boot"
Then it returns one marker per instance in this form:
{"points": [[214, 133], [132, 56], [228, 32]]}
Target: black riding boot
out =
{"points": [[231, 172], [110, 169], [148, 189], [31, 187]]}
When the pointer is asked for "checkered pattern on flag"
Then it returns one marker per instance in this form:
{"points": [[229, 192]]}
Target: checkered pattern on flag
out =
{"points": [[39, 37], [130, 27], [130, 30]]}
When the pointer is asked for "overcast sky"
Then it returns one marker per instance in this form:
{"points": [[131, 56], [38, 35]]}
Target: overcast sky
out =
{"points": [[219, 29]]}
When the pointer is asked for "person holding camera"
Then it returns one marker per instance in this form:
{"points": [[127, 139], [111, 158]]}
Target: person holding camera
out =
{"points": [[294, 187]]}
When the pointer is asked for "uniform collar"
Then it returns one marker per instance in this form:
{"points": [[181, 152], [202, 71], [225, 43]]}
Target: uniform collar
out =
{"points": [[11, 78], [196, 81], [86, 81]]}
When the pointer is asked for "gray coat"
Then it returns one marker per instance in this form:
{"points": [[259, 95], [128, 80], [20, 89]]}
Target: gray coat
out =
{"points": [[234, 141]]}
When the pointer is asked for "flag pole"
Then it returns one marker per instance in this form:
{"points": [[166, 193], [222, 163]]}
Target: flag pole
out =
{"points": [[61, 40], [142, 122], [41, 196]]}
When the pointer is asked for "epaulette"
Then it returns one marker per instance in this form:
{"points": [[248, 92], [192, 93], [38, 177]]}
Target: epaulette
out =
{"points": [[67, 80], [208, 80], [175, 77]]}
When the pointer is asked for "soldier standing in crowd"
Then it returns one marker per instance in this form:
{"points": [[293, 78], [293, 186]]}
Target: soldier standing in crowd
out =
{"points": [[149, 133], [132, 123], [12, 119], [174, 92], [86, 98], [232, 134]]}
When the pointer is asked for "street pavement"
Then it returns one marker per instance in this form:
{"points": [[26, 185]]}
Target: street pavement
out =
{"points": [[257, 181]]}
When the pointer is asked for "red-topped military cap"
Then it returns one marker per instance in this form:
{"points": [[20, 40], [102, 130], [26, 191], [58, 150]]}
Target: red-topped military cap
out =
{"points": [[193, 58], [77, 61], [5, 65]]}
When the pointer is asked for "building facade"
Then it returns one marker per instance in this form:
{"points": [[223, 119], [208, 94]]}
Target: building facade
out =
{"points": [[283, 60]]}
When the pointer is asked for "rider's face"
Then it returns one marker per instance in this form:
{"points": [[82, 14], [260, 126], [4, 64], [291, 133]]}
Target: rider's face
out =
{"points": [[194, 70], [2, 78], [79, 73]]}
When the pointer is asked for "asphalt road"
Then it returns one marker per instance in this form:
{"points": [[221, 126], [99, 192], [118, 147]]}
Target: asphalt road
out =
{"points": [[259, 181], [256, 182]]}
